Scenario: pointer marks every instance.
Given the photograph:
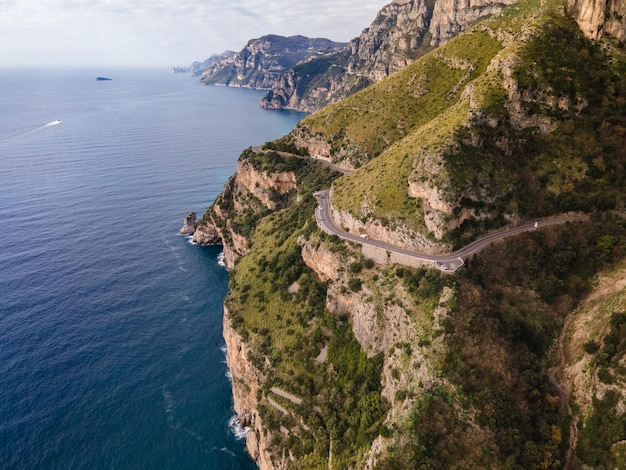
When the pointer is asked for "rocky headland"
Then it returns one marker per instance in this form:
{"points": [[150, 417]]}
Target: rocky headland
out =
{"points": [[262, 60], [516, 360], [197, 68]]}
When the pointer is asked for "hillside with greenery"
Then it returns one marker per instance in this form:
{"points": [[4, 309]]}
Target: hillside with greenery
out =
{"points": [[392, 367], [525, 129]]}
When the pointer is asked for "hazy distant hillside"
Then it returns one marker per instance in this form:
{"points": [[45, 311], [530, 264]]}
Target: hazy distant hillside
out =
{"points": [[401, 32], [260, 63], [197, 68]]}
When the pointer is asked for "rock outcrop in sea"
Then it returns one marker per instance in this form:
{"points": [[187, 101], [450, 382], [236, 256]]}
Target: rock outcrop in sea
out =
{"points": [[189, 225]]}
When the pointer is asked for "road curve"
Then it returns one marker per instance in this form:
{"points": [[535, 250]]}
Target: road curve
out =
{"points": [[445, 262]]}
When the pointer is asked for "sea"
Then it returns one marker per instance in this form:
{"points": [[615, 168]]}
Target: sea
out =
{"points": [[111, 347]]}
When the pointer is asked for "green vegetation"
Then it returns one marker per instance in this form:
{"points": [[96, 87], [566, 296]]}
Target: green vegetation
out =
{"points": [[578, 166], [512, 299], [483, 397], [605, 425], [342, 397], [278, 306], [563, 150], [286, 144], [386, 112]]}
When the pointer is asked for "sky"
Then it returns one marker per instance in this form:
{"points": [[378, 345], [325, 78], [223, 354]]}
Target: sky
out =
{"points": [[163, 32]]}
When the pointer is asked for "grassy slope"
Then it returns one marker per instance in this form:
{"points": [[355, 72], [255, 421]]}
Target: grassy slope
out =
{"points": [[506, 402], [418, 120], [389, 110]]}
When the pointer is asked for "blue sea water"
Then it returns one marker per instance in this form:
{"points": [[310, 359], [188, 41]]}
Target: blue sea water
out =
{"points": [[111, 348]]}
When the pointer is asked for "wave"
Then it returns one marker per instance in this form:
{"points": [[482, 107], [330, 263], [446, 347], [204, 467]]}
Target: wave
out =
{"points": [[24, 132], [220, 259], [169, 401], [235, 427]]}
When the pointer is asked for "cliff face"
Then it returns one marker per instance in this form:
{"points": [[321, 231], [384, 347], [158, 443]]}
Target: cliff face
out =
{"points": [[249, 191], [600, 18], [260, 63], [345, 358], [402, 31], [246, 380]]}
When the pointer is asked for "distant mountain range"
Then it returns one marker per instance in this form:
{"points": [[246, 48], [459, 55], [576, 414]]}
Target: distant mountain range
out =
{"points": [[197, 68], [260, 63]]}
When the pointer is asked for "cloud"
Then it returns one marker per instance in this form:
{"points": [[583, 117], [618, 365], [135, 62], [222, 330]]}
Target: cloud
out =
{"points": [[165, 31]]}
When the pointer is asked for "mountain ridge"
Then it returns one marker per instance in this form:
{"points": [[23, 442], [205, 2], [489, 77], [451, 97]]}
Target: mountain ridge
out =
{"points": [[197, 68], [402, 32], [263, 59], [519, 117]]}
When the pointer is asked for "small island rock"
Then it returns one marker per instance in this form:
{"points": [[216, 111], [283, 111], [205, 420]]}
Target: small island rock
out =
{"points": [[189, 226], [206, 234]]}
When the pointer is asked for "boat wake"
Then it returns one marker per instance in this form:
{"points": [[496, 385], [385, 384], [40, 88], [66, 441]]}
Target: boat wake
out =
{"points": [[25, 132]]}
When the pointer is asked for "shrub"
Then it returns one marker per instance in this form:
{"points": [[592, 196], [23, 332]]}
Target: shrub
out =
{"points": [[591, 347], [354, 284], [356, 267]]}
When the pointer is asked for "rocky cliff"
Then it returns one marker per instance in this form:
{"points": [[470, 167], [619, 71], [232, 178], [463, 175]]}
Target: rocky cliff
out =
{"points": [[246, 380], [600, 18], [262, 60], [402, 31], [345, 360], [263, 182]]}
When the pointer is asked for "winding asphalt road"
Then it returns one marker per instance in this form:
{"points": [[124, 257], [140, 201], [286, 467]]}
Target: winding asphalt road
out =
{"points": [[446, 262]]}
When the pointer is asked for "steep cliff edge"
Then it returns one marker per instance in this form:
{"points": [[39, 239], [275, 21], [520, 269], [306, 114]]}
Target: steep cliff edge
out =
{"points": [[262, 60], [265, 181], [600, 18], [246, 380], [342, 362], [401, 32]]}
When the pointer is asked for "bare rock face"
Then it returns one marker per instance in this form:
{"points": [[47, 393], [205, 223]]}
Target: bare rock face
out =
{"points": [[206, 234], [598, 18], [246, 380], [322, 261], [260, 63], [402, 32], [452, 17], [262, 184], [189, 225]]}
